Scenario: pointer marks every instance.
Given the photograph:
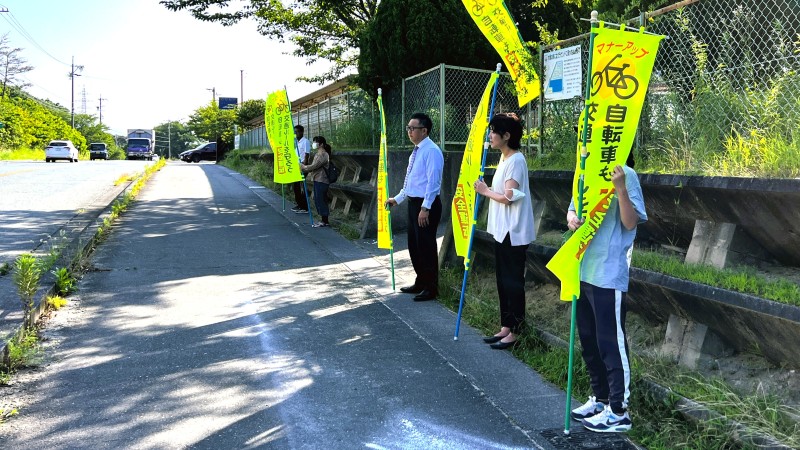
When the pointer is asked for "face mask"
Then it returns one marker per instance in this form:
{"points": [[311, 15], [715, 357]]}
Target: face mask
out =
{"points": [[314, 145]]}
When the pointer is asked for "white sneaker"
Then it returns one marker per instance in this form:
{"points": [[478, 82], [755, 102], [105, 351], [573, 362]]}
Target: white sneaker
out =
{"points": [[608, 422], [588, 409]]}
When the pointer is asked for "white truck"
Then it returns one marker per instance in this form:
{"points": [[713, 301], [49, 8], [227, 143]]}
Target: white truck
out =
{"points": [[141, 144]]}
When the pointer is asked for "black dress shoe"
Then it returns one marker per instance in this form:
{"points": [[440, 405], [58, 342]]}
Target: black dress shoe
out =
{"points": [[504, 345], [424, 296], [413, 289], [492, 339]]}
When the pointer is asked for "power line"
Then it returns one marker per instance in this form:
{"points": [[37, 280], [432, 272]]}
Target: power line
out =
{"points": [[21, 30]]}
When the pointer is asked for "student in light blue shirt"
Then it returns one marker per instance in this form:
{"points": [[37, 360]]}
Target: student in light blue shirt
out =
{"points": [[601, 309]]}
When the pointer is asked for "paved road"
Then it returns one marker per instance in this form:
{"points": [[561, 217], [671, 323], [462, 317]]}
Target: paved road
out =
{"points": [[212, 319], [40, 202], [37, 198]]}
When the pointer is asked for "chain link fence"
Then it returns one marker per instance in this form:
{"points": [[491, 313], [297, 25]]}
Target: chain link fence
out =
{"points": [[725, 91], [448, 94]]}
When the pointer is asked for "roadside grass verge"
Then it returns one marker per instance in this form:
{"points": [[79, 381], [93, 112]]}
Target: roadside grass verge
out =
{"points": [[742, 279], [21, 154], [657, 424], [23, 349]]}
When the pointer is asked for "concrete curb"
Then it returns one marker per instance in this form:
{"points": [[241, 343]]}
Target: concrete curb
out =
{"points": [[80, 239]]}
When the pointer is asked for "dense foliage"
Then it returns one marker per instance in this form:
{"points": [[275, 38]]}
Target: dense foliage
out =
{"points": [[32, 123], [212, 124], [174, 137], [249, 110]]}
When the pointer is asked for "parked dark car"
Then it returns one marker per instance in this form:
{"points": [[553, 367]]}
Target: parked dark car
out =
{"points": [[203, 152], [98, 150]]}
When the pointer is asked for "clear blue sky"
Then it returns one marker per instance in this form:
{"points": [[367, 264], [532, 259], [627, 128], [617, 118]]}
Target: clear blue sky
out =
{"points": [[147, 63]]}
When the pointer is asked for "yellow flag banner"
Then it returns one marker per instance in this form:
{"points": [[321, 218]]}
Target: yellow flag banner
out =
{"points": [[622, 63], [496, 24], [280, 132], [463, 206], [384, 230]]}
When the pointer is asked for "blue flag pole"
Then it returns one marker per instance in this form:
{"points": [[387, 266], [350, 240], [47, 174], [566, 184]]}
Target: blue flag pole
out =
{"points": [[579, 210], [475, 214]]}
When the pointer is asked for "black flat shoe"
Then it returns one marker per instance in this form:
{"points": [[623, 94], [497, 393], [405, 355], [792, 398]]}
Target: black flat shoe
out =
{"points": [[504, 345], [492, 339], [413, 289], [424, 296]]}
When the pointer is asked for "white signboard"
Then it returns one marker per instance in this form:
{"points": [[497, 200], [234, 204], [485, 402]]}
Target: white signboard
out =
{"points": [[563, 74]]}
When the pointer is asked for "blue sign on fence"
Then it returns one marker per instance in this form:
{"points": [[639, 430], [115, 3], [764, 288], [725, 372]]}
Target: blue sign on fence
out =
{"points": [[227, 102]]}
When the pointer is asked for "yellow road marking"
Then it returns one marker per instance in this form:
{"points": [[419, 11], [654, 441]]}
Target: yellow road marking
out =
{"points": [[16, 172]]}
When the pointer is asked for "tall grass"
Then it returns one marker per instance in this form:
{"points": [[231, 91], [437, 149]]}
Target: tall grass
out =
{"points": [[22, 154], [657, 423]]}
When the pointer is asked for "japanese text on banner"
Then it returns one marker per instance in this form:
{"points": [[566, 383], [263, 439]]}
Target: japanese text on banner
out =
{"points": [[496, 24], [622, 63], [280, 132], [464, 198]]}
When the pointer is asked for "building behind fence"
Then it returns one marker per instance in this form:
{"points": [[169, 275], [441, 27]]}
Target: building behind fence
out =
{"points": [[728, 75]]}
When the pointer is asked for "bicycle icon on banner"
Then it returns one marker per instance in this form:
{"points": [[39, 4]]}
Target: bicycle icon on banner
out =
{"points": [[479, 5], [625, 86]]}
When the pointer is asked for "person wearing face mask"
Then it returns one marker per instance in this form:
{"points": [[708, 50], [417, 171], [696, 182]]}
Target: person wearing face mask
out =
{"points": [[303, 150], [322, 157], [511, 224]]}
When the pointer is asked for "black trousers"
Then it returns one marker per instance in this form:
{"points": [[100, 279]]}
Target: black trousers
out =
{"points": [[510, 273], [422, 244], [600, 317], [299, 195]]}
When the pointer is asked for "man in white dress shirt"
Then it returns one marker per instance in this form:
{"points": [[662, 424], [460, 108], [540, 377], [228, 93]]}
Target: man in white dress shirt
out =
{"points": [[421, 188]]}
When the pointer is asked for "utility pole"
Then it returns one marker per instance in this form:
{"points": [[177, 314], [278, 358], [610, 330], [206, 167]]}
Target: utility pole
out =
{"points": [[213, 94], [100, 108], [241, 86], [72, 75], [169, 139]]}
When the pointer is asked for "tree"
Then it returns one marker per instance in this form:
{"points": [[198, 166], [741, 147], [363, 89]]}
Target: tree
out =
{"points": [[319, 29], [174, 137], [391, 49], [213, 124], [11, 65], [249, 110]]}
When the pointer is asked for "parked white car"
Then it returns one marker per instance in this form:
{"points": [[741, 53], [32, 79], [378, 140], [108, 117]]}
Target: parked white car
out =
{"points": [[60, 150]]}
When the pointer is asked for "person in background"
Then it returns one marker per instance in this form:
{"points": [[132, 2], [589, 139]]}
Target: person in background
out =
{"points": [[421, 187], [303, 150], [317, 168], [601, 308], [511, 224]]}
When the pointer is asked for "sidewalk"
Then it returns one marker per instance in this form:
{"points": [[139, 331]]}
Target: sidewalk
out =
{"points": [[213, 319]]}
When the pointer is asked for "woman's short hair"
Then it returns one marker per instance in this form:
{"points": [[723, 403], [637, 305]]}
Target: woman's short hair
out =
{"points": [[508, 123]]}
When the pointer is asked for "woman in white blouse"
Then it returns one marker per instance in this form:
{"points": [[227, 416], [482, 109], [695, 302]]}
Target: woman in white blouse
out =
{"points": [[511, 225]]}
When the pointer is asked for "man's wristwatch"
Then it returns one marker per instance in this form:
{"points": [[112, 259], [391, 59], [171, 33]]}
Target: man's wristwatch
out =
{"points": [[424, 209]]}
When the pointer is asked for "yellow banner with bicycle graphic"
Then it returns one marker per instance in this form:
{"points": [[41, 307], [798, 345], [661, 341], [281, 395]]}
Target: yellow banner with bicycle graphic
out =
{"points": [[496, 24], [280, 133], [622, 63], [463, 207]]}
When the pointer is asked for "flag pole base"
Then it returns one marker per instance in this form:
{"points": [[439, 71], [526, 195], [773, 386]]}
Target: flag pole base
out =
{"points": [[566, 432], [455, 338]]}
